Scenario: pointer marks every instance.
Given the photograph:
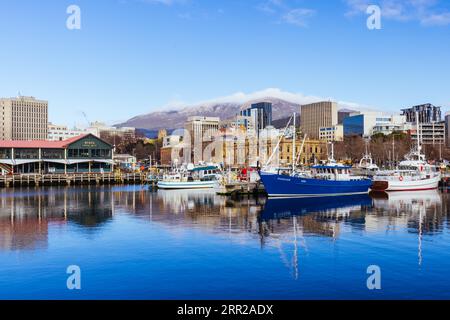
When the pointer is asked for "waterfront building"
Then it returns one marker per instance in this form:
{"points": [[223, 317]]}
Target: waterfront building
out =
{"points": [[332, 134], [62, 132], [23, 118], [201, 129], [82, 154], [260, 113], [316, 115]]}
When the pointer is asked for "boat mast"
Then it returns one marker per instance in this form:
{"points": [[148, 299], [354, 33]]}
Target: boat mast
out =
{"points": [[278, 143], [332, 151], [300, 151], [418, 134], [293, 147]]}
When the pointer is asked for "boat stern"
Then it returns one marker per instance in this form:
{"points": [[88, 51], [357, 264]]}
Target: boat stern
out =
{"points": [[380, 185]]}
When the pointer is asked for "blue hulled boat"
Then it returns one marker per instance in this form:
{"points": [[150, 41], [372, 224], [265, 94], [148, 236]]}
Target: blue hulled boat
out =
{"points": [[277, 208], [330, 179]]}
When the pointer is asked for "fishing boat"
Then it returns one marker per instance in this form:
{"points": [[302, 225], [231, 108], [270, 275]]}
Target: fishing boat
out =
{"points": [[191, 177], [328, 179], [413, 174], [366, 166]]}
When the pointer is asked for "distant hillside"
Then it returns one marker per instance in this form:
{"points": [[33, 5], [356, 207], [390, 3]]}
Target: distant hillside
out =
{"points": [[284, 104], [281, 123], [176, 118]]}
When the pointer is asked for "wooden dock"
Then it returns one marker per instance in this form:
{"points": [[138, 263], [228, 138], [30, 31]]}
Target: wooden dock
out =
{"points": [[241, 188], [71, 179]]}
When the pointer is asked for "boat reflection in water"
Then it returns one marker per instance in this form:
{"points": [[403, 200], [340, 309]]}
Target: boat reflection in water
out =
{"points": [[287, 221], [419, 212], [332, 206], [195, 244]]}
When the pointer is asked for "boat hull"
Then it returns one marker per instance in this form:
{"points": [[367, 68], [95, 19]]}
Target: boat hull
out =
{"points": [[173, 185], [286, 186], [398, 185]]}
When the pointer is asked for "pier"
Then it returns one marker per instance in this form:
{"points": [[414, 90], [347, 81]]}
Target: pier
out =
{"points": [[71, 179]]}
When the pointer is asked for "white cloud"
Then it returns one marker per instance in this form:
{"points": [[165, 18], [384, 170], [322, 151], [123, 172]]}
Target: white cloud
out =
{"points": [[286, 13], [427, 12], [299, 16], [241, 98]]}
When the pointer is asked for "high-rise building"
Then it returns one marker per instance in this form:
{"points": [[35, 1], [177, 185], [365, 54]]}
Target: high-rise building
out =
{"points": [[431, 126], [316, 115], [23, 118], [261, 113], [428, 113], [201, 129]]}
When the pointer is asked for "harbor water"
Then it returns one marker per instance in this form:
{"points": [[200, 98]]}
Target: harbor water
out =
{"points": [[130, 243]]}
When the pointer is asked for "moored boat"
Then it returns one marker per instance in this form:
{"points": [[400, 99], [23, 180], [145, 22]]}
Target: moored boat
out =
{"points": [[200, 177], [413, 174], [329, 179]]}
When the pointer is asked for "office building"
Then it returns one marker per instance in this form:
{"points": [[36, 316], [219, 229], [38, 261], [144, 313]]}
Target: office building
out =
{"points": [[23, 118], [431, 126], [369, 123], [62, 132], [316, 115], [431, 133], [331, 134], [261, 114], [428, 113], [200, 130]]}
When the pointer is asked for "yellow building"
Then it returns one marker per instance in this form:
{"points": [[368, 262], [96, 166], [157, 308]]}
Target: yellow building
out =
{"points": [[313, 150]]}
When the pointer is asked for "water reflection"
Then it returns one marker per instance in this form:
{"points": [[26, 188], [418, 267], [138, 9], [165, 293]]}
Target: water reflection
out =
{"points": [[298, 244], [27, 214]]}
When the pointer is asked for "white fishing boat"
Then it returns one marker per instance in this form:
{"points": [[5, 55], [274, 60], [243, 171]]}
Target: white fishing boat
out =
{"points": [[191, 177], [366, 166], [413, 174]]}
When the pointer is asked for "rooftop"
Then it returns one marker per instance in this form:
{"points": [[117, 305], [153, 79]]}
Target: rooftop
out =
{"points": [[44, 144]]}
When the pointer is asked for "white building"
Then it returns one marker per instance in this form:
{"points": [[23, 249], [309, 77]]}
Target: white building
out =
{"points": [[331, 134], [172, 140], [62, 132]]}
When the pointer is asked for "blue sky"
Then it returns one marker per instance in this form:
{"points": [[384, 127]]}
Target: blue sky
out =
{"points": [[134, 56]]}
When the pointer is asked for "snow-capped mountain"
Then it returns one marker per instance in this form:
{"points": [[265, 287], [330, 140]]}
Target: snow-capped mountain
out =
{"points": [[283, 105]]}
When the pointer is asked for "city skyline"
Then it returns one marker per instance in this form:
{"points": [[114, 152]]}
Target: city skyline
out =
{"points": [[120, 61]]}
